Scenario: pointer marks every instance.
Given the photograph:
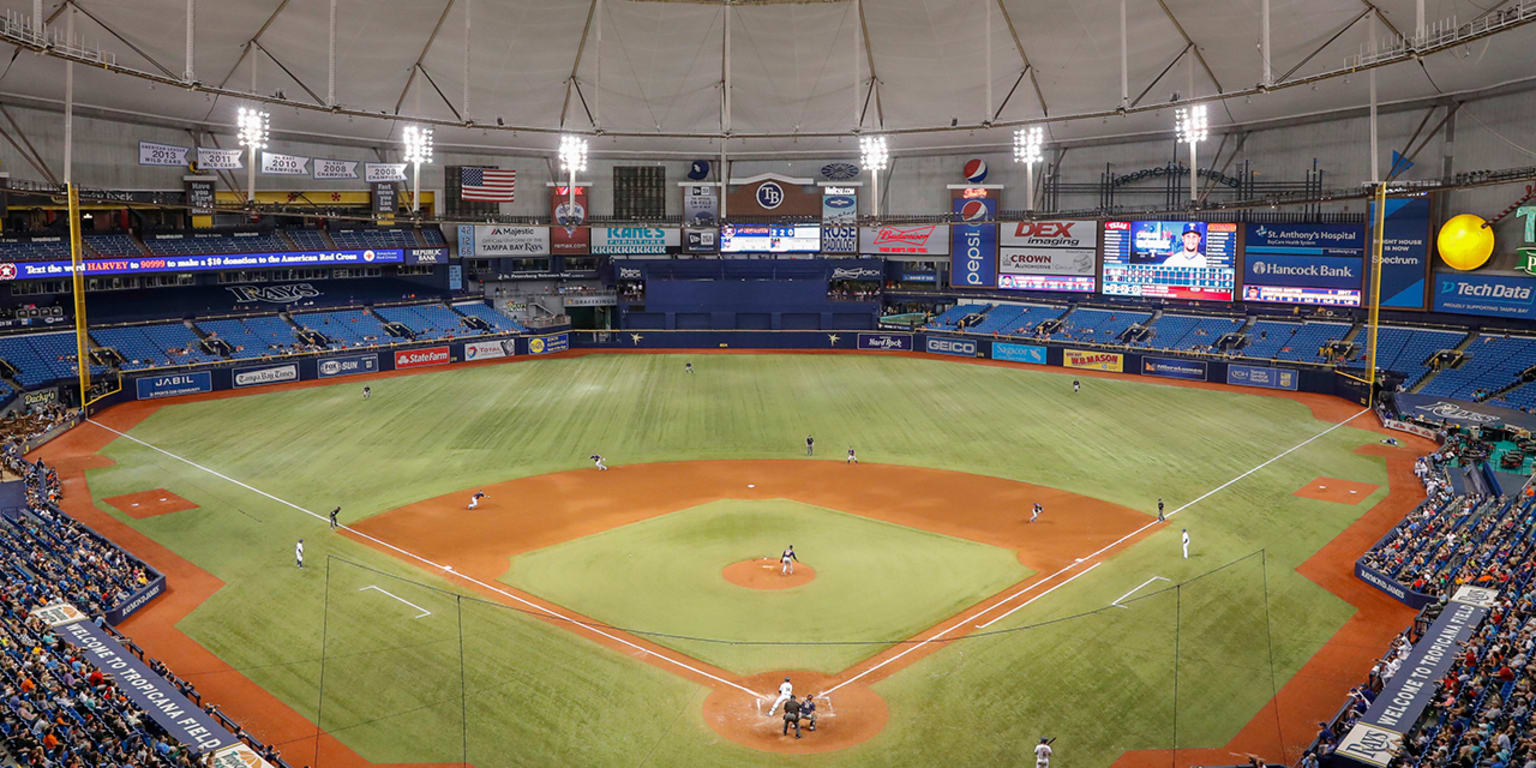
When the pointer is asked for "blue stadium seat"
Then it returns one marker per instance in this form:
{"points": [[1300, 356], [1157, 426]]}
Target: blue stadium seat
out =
{"points": [[39, 248], [114, 245], [1278, 340], [198, 243], [358, 239], [253, 336], [1188, 331], [497, 320], [1102, 326], [151, 346], [1492, 363], [346, 328]]}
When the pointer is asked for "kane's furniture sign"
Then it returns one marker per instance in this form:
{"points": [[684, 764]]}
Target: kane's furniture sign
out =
{"points": [[1089, 359], [348, 365], [172, 385], [1262, 376], [38, 270], [635, 240], [421, 358], [276, 374]]}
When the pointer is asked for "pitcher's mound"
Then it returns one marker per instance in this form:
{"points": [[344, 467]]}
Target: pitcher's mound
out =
{"points": [[851, 715], [763, 573], [150, 503]]}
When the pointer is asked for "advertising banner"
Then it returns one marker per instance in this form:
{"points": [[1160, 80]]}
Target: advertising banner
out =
{"points": [[1262, 376], [220, 159], [868, 269], [941, 345], [1321, 264], [385, 199], [887, 342], [184, 721], [839, 219], [701, 241], [1049, 256], [973, 204], [151, 153], [569, 236], [274, 164], [1462, 412], [171, 385], [1092, 360], [38, 398], [1018, 353], [373, 172], [455, 277], [635, 240], [548, 345], [916, 240], [426, 256], [701, 205], [974, 260], [489, 350], [1194, 370], [1404, 250], [139, 265], [286, 293], [347, 365], [238, 755], [498, 241], [788, 238], [275, 374], [1490, 295], [335, 169], [1170, 259], [421, 358], [200, 196]]}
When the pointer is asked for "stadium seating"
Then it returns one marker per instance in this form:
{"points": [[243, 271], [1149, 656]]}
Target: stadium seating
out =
{"points": [[1014, 320], [198, 243], [41, 248], [150, 346], [1188, 331], [253, 336], [1492, 363], [346, 328], [433, 236], [427, 321], [357, 239], [1276, 340], [308, 239], [948, 319], [1521, 398], [1102, 326], [40, 357], [497, 320], [113, 245], [1404, 350]]}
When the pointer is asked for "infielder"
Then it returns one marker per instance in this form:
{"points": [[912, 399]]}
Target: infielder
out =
{"points": [[298, 553], [785, 692], [1160, 517], [787, 564], [810, 445], [1043, 753], [1036, 513], [334, 513], [597, 461], [474, 501], [1186, 543], [853, 458]]}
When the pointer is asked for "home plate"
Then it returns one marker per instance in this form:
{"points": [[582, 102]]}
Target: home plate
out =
{"points": [[751, 485]]}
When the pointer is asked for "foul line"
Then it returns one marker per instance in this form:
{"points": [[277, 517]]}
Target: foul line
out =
{"points": [[1100, 551], [424, 612], [439, 566], [1010, 611], [1133, 591]]}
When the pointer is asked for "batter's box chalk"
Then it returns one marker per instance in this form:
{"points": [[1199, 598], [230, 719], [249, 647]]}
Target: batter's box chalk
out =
{"points": [[751, 485]]}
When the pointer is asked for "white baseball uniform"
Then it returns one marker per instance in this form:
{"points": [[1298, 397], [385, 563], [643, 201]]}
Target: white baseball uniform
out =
{"points": [[1043, 755], [785, 691], [1186, 545], [298, 553], [597, 461]]}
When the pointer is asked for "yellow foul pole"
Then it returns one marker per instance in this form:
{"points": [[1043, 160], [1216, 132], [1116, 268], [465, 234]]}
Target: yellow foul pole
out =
{"points": [[77, 270], [1377, 223]]}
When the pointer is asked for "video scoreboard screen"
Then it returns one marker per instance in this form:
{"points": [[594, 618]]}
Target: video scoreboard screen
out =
{"points": [[1170, 259], [1319, 264], [789, 238]]}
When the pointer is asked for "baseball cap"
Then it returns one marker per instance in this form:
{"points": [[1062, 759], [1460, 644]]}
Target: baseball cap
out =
{"points": [[1190, 226]]}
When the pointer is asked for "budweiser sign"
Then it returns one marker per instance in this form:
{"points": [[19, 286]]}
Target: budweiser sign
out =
{"points": [[420, 358], [924, 240]]}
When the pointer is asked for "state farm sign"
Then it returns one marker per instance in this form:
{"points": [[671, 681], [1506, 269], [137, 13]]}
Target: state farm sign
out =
{"points": [[421, 358], [917, 240]]}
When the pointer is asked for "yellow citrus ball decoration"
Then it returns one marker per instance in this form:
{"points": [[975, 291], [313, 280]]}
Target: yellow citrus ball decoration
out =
{"points": [[1465, 242]]}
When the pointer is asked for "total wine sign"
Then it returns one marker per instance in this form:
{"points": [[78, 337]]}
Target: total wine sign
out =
{"points": [[421, 358]]}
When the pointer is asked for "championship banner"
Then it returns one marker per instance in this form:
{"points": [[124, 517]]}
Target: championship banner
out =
{"points": [[151, 153], [220, 159], [274, 164], [335, 169], [635, 240], [701, 205], [1404, 250], [1048, 256], [373, 172], [568, 237], [839, 219], [1097, 361], [501, 241]]}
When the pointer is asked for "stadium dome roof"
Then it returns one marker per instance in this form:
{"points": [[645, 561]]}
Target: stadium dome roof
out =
{"points": [[648, 73]]}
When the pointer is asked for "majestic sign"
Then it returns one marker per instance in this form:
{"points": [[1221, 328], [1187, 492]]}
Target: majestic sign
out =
{"points": [[1048, 256], [421, 358], [139, 265], [1090, 359], [634, 240], [916, 240], [493, 241], [171, 385], [273, 294], [347, 365], [255, 377], [151, 153], [274, 164]]}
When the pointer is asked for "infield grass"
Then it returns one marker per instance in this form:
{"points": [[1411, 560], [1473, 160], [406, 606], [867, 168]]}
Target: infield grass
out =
{"points": [[523, 692]]}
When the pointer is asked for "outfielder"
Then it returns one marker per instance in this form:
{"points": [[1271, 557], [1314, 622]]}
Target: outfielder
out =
{"points": [[366, 392], [787, 564], [1160, 517], [688, 367], [1043, 753], [853, 458], [1036, 513], [298, 553], [474, 501], [1077, 386], [597, 461], [810, 445], [1186, 543], [785, 692]]}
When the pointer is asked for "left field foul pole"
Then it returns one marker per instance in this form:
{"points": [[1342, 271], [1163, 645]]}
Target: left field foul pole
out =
{"points": [[77, 278]]}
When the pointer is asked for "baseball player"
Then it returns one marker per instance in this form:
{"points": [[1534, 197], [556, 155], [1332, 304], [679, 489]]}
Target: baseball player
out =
{"points": [[810, 445], [366, 391], [474, 501], [334, 513], [597, 461], [688, 367], [786, 692], [1186, 543], [791, 717], [1160, 517], [787, 562], [1043, 753], [298, 553], [1036, 512], [1077, 386], [853, 458], [808, 710]]}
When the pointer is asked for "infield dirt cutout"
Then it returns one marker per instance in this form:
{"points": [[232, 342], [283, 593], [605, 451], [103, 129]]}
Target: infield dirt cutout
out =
{"points": [[766, 573], [150, 503], [1336, 490]]}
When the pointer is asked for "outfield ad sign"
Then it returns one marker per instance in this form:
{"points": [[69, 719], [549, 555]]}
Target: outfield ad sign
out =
{"points": [[887, 342], [275, 374], [653, 241], [548, 345], [494, 242], [1018, 353], [421, 358], [943, 345], [1261, 376], [1194, 370], [1404, 251], [1097, 361], [348, 365], [974, 263], [172, 385], [1322, 264], [488, 350], [1490, 295], [1048, 256]]}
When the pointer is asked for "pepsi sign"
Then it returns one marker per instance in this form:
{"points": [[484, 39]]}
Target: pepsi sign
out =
{"points": [[975, 170], [973, 204], [973, 263]]}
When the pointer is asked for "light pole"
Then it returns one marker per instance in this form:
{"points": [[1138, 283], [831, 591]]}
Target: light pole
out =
{"points": [[255, 126], [418, 150], [573, 156], [1192, 128], [875, 156], [1026, 150]]}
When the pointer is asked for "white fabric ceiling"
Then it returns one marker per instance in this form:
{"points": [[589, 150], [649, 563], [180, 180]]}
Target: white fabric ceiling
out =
{"points": [[657, 68]]}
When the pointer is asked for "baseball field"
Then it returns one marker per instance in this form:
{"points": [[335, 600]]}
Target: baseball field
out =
{"points": [[635, 616]]}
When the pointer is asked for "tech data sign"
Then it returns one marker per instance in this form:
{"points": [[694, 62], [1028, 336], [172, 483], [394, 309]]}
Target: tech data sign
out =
{"points": [[1490, 295], [635, 240]]}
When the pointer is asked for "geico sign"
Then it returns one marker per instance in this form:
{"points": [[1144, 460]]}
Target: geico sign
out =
{"points": [[952, 346]]}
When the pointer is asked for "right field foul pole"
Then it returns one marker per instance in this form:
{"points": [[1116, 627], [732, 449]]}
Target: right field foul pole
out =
{"points": [[1377, 222], [77, 272]]}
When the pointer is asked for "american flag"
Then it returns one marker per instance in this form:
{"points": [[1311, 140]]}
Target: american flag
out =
{"points": [[491, 185]]}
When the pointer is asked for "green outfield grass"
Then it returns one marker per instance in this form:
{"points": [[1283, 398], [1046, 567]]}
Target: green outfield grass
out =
{"points": [[664, 574], [523, 692]]}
